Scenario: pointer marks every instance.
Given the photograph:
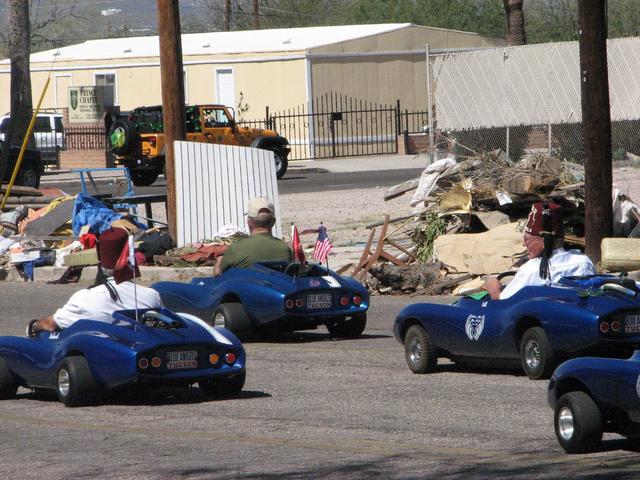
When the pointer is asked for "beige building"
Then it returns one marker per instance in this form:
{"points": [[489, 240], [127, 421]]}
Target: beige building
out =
{"points": [[281, 68]]}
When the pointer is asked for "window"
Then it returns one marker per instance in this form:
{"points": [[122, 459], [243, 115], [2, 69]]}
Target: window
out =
{"points": [[58, 124], [215, 118], [43, 124], [107, 80]]}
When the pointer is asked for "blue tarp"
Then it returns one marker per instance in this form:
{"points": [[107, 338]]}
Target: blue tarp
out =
{"points": [[90, 211]]}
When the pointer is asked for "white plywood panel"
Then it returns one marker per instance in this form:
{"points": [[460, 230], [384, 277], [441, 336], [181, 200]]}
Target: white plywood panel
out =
{"points": [[214, 184]]}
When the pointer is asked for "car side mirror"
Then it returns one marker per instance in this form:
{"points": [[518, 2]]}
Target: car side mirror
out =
{"points": [[232, 124]]}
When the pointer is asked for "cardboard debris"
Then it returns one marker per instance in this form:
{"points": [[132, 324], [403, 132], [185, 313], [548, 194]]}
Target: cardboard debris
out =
{"points": [[620, 253]]}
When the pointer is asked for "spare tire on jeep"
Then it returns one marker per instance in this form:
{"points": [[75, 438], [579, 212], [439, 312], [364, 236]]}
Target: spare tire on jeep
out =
{"points": [[122, 138]]}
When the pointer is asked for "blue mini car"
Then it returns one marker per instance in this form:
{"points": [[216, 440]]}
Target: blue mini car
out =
{"points": [[92, 357], [595, 395], [538, 326], [276, 296]]}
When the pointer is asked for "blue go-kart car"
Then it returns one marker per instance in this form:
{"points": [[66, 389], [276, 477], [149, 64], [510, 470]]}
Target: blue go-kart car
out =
{"points": [[273, 296], [538, 326], [89, 358], [595, 395]]}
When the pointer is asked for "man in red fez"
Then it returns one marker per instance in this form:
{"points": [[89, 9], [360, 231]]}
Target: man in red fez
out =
{"points": [[114, 289], [548, 260]]}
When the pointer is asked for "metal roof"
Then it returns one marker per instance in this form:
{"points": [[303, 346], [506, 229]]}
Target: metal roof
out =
{"points": [[237, 42]]}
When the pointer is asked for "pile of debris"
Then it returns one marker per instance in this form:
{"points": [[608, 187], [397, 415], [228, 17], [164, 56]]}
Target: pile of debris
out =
{"points": [[466, 219]]}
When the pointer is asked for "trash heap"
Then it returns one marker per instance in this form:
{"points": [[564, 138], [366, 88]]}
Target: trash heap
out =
{"points": [[466, 220]]}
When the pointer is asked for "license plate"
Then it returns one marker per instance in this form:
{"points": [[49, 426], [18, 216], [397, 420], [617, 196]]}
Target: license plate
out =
{"points": [[322, 300], [179, 360], [632, 324]]}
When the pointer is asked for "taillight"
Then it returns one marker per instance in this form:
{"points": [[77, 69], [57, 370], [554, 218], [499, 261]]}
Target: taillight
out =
{"points": [[616, 325], [289, 303], [156, 362], [213, 359], [143, 363], [604, 327], [357, 300], [344, 301], [299, 302], [152, 141], [230, 358]]}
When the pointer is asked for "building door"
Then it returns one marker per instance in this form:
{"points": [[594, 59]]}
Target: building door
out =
{"points": [[61, 85], [225, 87]]}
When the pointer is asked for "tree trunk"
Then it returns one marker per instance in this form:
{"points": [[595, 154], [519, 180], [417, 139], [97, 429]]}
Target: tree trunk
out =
{"points": [[596, 124], [21, 103], [516, 34]]}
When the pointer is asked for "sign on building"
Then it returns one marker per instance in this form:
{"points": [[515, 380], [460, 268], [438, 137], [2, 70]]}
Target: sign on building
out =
{"points": [[86, 104]]}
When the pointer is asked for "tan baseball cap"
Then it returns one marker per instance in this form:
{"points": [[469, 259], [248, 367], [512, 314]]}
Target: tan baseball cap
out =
{"points": [[260, 204]]}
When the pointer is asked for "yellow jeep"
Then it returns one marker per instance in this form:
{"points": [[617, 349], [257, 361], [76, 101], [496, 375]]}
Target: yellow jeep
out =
{"points": [[137, 141]]}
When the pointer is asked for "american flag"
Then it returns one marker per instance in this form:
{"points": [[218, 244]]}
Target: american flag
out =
{"points": [[323, 245]]}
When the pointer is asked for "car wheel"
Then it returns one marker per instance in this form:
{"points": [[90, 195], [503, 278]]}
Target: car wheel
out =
{"points": [[143, 178], [75, 385], [122, 137], [351, 328], [536, 355], [223, 387], [232, 316], [419, 350], [578, 423], [28, 176], [8, 383], [281, 163]]}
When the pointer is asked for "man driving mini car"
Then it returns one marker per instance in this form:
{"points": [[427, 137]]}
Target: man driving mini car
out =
{"points": [[113, 291], [261, 246], [548, 260]]}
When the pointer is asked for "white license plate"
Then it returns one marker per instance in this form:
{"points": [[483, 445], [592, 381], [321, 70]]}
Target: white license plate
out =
{"points": [[322, 300], [178, 360], [632, 324]]}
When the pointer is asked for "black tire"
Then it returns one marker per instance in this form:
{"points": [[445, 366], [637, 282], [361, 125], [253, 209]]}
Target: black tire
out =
{"points": [[232, 316], [75, 384], [419, 351], [224, 387], [29, 175], [578, 423], [537, 358], [281, 163], [351, 328], [130, 137], [143, 178], [8, 382]]}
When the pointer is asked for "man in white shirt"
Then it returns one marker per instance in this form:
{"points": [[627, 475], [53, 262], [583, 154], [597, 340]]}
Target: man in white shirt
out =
{"points": [[548, 260], [114, 289]]}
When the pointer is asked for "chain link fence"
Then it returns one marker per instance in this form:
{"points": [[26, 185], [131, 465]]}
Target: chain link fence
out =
{"points": [[526, 100]]}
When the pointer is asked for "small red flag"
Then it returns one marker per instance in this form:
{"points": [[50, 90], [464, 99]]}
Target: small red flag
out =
{"points": [[296, 245]]}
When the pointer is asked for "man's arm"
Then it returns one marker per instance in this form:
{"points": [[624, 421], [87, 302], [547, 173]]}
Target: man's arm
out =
{"points": [[217, 268], [46, 324], [493, 286]]}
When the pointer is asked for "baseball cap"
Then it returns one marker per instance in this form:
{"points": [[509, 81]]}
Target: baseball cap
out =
{"points": [[257, 204], [545, 217]]}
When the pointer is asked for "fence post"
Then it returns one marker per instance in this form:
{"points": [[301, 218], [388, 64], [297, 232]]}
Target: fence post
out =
{"points": [[398, 118], [429, 99], [266, 117], [508, 140]]}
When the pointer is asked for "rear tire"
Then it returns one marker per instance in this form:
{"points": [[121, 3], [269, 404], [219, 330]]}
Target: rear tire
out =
{"points": [[232, 316], [223, 387], [351, 328], [420, 352], [75, 384], [578, 423], [143, 178], [122, 138], [281, 163], [8, 383], [537, 358]]}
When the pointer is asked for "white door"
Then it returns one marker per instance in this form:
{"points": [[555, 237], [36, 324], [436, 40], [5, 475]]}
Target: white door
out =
{"points": [[62, 84], [225, 87]]}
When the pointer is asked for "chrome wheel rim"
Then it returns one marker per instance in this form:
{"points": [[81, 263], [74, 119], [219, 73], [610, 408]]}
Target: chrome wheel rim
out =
{"points": [[63, 382], [565, 423], [533, 355], [219, 320], [415, 351], [278, 162]]}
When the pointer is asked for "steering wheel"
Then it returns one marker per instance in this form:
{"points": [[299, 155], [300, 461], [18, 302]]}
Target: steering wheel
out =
{"points": [[155, 315], [508, 273], [289, 269]]}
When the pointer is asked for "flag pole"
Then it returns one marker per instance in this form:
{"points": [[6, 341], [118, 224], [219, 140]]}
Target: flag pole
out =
{"points": [[132, 265]]}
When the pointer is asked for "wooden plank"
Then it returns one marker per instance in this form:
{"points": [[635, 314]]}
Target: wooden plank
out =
{"points": [[440, 286], [401, 189], [18, 191]]}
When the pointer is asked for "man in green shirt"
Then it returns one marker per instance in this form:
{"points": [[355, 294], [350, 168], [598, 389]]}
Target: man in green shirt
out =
{"points": [[261, 246]]}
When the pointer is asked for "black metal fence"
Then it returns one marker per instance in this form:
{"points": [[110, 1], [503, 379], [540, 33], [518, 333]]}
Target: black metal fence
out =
{"points": [[85, 137]]}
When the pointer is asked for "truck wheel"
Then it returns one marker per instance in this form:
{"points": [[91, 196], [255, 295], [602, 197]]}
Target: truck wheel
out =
{"points": [[223, 387], [122, 137], [143, 178], [419, 351], [76, 386], [28, 176], [537, 358], [232, 316], [351, 328], [281, 163], [578, 423], [8, 384]]}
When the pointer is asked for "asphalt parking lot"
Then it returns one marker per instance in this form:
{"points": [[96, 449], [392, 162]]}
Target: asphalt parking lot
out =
{"points": [[312, 407]]}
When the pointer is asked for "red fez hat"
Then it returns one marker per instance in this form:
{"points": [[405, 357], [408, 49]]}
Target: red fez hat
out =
{"points": [[545, 217], [113, 253]]}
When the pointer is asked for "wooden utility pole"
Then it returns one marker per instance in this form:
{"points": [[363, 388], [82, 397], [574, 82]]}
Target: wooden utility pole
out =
{"points": [[596, 124], [227, 15], [172, 79], [516, 33], [256, 15]]}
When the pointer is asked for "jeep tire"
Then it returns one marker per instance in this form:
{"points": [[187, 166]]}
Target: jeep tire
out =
{"points": [[143, 178], [130, 138], [281, 163]]}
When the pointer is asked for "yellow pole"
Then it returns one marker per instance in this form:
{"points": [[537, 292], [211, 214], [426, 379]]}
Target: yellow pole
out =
{"points": [[16, 169]]}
